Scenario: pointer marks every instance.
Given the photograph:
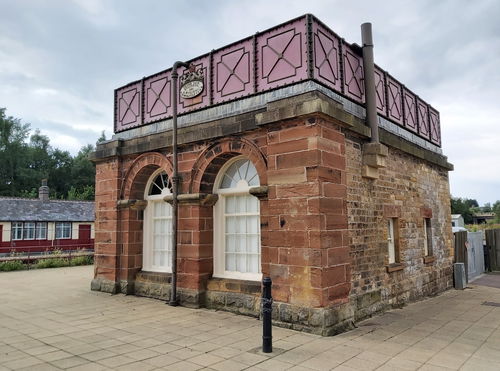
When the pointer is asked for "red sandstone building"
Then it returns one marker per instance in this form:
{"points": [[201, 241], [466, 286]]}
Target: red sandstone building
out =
{"points": [[280, 176]]}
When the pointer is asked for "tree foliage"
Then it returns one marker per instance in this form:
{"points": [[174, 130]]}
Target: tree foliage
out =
{"points": [[467, 207], [464, 207], [24, 163]]}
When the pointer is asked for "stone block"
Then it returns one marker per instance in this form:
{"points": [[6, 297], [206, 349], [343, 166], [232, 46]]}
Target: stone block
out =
{"points": [[369, 172], [374, 148], [376, 161]]}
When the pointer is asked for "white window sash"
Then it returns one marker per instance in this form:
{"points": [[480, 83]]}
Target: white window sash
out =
{"points": [[63, 230], [390, 241], [220, 238], [41, 231], [17, 231]]}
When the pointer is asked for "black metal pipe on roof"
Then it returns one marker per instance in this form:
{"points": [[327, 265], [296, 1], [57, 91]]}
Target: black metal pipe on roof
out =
{"points": [[369, 75]]}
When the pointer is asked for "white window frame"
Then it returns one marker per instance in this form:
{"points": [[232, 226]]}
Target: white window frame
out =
{"points": [[220, 224], [29, 230], [63, 231], [391, 241], [17, 231], [41, 231], [427, 237], [148, 238]]}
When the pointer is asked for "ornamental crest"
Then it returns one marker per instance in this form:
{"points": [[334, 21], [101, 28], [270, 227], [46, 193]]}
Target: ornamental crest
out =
{"points": [[192, 83]]}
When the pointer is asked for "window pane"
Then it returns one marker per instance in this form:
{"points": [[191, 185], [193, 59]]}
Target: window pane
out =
{"points": [[41, 231], [241, 204], [160, 183], [17, 231], [252, 224], [253, 244], [241, 169], [230, 204], [230, 243], [230, 262], [252, 204], [230, 224], [241, 227]]}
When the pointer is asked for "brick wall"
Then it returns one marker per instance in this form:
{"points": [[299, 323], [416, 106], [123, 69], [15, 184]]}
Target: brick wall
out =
{"points": [[323, 226], [407, 189]]}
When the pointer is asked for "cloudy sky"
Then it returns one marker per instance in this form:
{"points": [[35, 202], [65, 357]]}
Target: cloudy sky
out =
{"points": [[60, 61]]}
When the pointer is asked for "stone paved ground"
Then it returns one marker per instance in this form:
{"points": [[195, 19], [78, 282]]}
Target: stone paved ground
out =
{"points": [[50, 320]]}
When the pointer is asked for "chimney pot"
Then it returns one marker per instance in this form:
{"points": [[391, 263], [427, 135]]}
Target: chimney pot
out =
{"points": [[43, 191]]}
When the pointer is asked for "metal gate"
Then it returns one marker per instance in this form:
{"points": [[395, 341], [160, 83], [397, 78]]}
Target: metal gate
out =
{"points": [[493, 246], [475, 255]]}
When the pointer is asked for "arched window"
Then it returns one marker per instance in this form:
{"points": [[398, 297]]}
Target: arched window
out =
{"points": [[157, 241], [237, 222]]}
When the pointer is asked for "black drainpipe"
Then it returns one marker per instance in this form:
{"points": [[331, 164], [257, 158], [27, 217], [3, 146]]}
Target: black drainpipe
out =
{"points": [[369, 72], [175, 181]]}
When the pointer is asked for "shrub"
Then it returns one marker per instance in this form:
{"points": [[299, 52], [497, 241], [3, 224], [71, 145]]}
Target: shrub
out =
{"points": [[82, 260], [51, 263], [12, 265]]}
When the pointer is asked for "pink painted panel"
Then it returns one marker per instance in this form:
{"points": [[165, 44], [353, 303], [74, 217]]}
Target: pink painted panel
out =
{"points": [[128, 106], [423, 119], [234, 72], [410, 110], [282, 55], [326, 51], [353, 75], [157, 102], [435, 126], [202, 100], [394, 100], [380, 91]]}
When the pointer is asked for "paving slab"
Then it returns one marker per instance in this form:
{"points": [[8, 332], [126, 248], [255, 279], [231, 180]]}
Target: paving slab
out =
{"points": [[50, 320]]}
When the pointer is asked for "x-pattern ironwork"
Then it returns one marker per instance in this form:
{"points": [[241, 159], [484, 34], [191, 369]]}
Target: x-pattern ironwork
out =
{"points": [[128, 105], [281, 55], [424, 125], [395, 97], [410, 110], [434, 128], [232, 71], [158, 95], [379, 90], [354, 71], [327, 54]]}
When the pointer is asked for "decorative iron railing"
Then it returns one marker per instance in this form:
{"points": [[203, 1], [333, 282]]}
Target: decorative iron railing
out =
{"points": [[298, 50]]}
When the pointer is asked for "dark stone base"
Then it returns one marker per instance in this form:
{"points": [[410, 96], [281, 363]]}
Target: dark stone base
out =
{"points": [[322, 321]]}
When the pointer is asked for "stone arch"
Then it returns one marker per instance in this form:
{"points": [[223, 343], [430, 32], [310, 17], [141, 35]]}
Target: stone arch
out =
{"points": [[210, 161], [140, 171]]}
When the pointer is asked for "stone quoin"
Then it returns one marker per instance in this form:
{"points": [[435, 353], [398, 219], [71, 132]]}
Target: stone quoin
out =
{"points": [[278, 178]]}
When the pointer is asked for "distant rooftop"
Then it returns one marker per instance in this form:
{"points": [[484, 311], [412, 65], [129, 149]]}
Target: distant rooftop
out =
{"points": [[284, 60], [23, 209]]}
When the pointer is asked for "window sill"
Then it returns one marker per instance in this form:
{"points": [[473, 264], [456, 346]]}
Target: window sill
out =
{"points": [[429, 259], [394, 267]]}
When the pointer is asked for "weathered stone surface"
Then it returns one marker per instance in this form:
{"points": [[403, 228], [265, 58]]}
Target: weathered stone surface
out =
{"points": [[323, 223]]}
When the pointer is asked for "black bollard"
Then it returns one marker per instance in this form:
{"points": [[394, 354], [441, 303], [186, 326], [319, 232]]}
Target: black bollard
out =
{"points": [[267, 312]]}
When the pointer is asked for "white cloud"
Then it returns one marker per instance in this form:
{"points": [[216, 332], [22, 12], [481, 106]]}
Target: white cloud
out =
{"points": [[61, 60]]}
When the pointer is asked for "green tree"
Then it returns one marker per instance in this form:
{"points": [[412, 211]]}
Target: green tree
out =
{"points": [[13, 156], [496, 209], [464, 207], [23, 164], [83, 174]]}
